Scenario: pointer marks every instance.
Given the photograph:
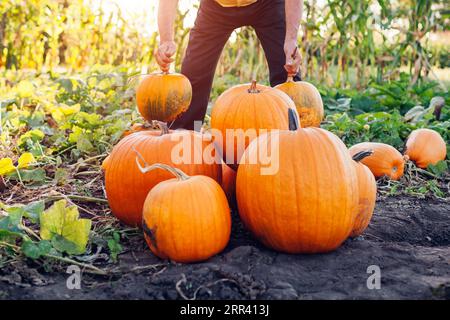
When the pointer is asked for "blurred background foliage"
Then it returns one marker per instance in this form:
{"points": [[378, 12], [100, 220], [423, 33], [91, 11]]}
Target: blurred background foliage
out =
{"points": [[345, 43]]}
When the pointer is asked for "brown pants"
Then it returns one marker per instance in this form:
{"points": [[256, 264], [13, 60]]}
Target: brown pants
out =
{"points": [[213, 27]]}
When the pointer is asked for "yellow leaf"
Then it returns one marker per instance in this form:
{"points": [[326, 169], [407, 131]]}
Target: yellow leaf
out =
{"points": [[61, 224], [25, 159], [25, 89], [6, 166]]}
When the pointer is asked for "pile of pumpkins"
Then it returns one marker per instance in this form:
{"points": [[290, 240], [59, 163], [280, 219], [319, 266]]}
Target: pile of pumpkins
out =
{"points": [[321, 193]]}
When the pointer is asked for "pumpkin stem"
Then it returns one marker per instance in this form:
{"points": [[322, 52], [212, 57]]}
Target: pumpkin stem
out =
{"points": [[180, 175], [161, 126], [293, 120], [253, 88], [362, 154], [290, 78]]}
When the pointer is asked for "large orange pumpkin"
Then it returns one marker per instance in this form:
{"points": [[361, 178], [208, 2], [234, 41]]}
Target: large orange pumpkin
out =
{"points": [[246, 111], [163, 96], [425, 147], [186, 219], [229, 184], [127, 187], [385, 160], [367, 190], [308, 201], [307, 100]]}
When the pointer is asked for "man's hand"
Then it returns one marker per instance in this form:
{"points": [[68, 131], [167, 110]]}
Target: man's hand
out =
{"points": [[164, 54], [293, 57]]}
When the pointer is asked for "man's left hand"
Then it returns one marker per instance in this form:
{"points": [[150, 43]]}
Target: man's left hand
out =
{"points": [[293, 57]]}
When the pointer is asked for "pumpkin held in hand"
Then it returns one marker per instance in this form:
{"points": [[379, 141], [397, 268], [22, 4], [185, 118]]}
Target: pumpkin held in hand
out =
{"points": [[309, 201], [385, 160], [126, 186], [367, 190], [307, 100], [163, 96], [425, 147], [245, 110], [186, 219]]}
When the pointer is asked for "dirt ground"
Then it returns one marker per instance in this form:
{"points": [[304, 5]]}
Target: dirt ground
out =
{"points": [[409, 239]]}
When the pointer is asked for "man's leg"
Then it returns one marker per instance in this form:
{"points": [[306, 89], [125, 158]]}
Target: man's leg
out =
{"points": [[207, 39], [270, 27]]}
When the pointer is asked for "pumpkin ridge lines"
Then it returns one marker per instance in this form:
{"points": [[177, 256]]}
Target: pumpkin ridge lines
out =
{"points": [[327, 146], [274, 106], [320, 183], [215, 231], [296, 168], [121, 157], [238, 114], [173, 222], [224, 121]]}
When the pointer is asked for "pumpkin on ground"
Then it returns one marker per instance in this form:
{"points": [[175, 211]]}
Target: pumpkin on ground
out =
{"points": [[425, 147], [385, 160], [163, 96], [246, 111], [307, 100], [367, 190], [308, 200], [186, 219], [229, 184], [127, 187]]}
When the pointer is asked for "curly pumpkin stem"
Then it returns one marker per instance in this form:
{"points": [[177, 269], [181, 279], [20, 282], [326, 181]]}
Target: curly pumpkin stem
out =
{"points": [[253, 88], [361, 155], [180, 175], [293, 120]]}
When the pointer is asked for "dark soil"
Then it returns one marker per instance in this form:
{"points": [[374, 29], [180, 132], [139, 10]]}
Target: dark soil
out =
{"points": [[409, 239]]}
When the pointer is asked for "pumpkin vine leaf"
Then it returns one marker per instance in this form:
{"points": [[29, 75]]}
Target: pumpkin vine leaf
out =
{"points": [[61, 225]]}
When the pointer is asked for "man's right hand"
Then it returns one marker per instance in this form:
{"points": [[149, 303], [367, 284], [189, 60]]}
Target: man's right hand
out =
{"points": [[164, 54]]}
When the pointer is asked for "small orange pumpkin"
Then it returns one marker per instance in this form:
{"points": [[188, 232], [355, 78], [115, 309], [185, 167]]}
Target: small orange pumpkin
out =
{"points": [[163, 96], [425, 147], [126, 186], [367, 190], [385, 160], [186, 219], [307, 100], [246, 111], [307, 202]]}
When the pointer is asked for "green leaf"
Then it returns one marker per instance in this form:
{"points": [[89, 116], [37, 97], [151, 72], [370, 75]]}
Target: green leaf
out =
{"points": [[34, 210], [61, 176], [10, 225], [35, 250], [35, 176], [114, 246], [61, 244], [34, 135], [439, 168], [61, 225], [84, 145]]}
